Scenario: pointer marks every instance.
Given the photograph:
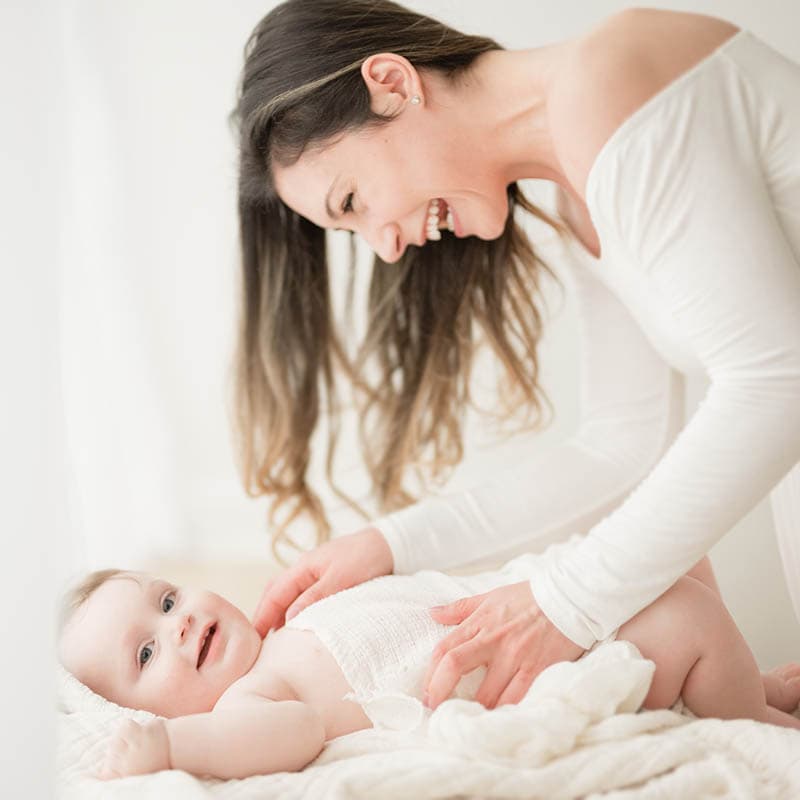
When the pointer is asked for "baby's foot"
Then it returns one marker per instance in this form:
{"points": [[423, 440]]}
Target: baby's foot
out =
{"points": [[782, 686]]}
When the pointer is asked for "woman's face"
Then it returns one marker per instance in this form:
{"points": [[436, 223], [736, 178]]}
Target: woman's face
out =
{"points": [[380, 182]]}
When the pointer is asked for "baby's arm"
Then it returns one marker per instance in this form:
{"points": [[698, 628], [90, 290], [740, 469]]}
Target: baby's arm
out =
{"points": [[255, 737]]}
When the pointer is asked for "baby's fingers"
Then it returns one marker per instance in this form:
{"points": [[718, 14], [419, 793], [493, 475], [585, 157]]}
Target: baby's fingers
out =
{"points": [[107, 773], [114, 762]]}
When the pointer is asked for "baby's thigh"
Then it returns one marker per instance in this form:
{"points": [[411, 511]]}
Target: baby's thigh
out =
{"points": [[674, 631]]}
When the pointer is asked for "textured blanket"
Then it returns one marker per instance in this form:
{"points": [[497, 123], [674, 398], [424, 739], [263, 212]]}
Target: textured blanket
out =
{"points": [[576, 734]]}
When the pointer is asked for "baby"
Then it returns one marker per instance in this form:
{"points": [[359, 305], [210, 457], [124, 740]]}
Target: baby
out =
{"points": [[232, 706]]}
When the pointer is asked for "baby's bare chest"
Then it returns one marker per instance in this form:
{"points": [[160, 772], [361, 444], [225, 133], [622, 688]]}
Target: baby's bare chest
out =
{"points": [[310, 672]]}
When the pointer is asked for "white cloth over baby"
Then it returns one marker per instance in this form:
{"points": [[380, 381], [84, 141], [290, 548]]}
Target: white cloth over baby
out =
{"points": [[382, 635]]}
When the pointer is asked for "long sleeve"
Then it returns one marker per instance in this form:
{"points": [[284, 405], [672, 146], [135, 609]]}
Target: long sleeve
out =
{"points": [[702, 193], [631, 406]]}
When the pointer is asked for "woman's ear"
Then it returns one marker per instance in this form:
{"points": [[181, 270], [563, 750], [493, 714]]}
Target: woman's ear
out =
{"points": [[392, 81]]}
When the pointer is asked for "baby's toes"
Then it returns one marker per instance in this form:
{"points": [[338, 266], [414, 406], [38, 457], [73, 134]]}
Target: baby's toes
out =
{"points": [[792, 694], [788, 671], [782, 686]]}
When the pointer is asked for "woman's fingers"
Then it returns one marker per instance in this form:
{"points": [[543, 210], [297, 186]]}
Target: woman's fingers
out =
{"points": [[498, 676], [508, 633], [280, 595], [264, 593], [315, 592], [462, 634], [517, 687], [455, 613], [452, 614], [451, 667]]}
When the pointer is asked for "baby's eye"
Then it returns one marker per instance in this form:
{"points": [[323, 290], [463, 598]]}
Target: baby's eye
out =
{"points": [[145, 654], [168, 602]]}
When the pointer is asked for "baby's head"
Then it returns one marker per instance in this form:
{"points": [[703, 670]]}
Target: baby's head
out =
{"points": [[146, 644]]}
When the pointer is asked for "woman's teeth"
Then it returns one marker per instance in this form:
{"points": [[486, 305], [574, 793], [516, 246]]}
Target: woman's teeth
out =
{"points": [[436, 221]]}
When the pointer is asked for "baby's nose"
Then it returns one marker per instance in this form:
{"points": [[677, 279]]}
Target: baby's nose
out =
{"points": [[183, 626]]}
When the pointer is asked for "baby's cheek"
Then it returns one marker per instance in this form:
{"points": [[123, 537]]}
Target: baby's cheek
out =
{"points": [[180, 691]]}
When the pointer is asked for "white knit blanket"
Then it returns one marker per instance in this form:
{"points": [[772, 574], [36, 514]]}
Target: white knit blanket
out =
{"points": [[574, 735]]}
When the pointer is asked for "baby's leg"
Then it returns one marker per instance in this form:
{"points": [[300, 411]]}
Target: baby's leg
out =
{"points": [[781, 684], [700, 655]]}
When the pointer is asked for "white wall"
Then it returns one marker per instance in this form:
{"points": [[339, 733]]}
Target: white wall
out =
{"points": [[150, 285]]}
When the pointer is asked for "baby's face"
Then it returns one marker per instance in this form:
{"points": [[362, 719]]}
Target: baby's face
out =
{"points": [[144, 643]]}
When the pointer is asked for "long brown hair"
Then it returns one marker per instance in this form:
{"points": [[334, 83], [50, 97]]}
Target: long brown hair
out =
{"points": [[301, 86]]}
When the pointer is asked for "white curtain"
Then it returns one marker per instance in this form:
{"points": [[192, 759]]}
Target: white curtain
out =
{"points": [[149, 282]]}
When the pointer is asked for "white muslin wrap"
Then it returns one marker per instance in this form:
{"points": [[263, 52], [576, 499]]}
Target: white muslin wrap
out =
{"points": [[382, 635]]}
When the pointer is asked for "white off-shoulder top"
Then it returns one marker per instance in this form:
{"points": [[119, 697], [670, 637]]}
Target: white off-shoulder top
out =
{"points": [[696, 201]]}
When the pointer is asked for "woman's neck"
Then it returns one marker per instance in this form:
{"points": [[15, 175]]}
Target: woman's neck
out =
{"points": [[507, 101]]}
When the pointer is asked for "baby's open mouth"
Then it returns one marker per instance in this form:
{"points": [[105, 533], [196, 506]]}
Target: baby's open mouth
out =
{"points": [[206, 644]]}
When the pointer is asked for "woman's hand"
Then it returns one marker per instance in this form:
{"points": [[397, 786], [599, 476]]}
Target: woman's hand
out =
{"points": [[339, 564], [506, 631]]}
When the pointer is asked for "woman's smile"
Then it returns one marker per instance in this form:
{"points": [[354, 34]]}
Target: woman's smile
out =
{"points": [[439, 216]]}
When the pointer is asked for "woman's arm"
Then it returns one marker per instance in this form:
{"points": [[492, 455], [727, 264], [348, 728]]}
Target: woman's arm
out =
{"points": [[631, 408], [711, 226]]}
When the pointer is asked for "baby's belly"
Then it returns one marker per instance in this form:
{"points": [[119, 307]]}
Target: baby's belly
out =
{"points": [[301, 659]]}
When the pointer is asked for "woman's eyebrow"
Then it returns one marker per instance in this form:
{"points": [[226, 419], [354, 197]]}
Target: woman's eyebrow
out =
{"points": [[332, 213]]}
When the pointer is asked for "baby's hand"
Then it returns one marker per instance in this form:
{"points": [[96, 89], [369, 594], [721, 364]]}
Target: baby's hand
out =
{"points": [[136, 750]]}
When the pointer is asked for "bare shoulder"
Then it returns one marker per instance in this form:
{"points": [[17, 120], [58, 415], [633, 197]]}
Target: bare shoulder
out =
{"points": [[256, 687], [614, 69]]}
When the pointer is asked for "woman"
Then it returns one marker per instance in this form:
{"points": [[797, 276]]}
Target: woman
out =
{"points": [[672, 138]]}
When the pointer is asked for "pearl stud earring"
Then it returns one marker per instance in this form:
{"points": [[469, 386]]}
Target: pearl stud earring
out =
{"points": [[415, 100]]}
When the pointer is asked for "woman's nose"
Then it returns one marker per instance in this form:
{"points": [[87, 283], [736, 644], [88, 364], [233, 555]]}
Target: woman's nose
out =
{"points": [[387, 243]]}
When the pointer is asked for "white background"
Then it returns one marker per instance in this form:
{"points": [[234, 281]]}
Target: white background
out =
{"points": [[120, 280]]}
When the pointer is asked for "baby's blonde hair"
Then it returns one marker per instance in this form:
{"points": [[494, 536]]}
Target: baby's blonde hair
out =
{"points": [[76, 596]]}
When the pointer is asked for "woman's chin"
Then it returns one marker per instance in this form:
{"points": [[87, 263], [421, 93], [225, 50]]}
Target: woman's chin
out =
{"points": [[491, 235]]}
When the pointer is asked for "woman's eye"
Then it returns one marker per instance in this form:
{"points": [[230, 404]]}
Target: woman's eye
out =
{"points": [[348, 203], [168, 602], [145, 654]]}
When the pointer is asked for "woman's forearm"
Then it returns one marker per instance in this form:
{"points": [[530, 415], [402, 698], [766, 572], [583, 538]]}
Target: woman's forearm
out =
{"points": [[631, 409]]}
